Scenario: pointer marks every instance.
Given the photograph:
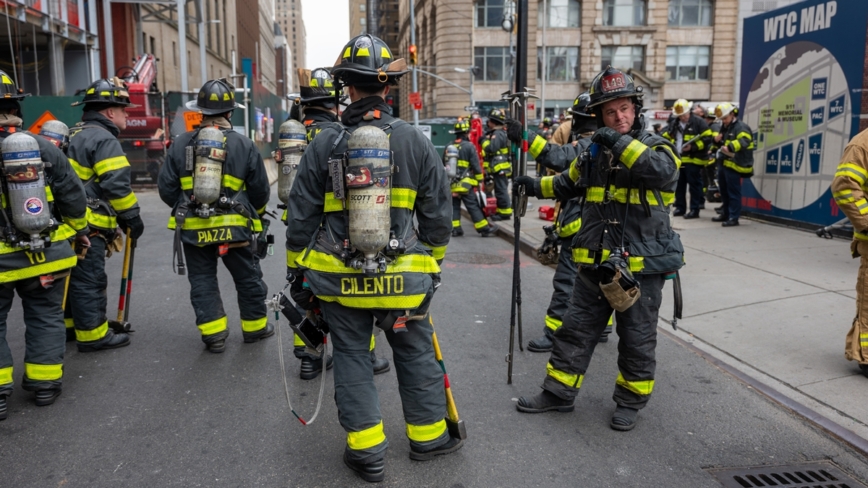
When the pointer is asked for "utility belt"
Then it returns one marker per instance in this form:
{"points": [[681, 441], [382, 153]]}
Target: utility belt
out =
{"points": [[104, 222], [342, 250]]}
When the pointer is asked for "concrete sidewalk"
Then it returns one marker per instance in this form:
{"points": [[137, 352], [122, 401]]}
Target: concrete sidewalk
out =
{"points": [[772, 302]]}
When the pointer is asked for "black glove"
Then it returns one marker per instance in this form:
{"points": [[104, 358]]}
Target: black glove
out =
{"points": [[133, 226], [514, 131], [528, 183], [606, 137]]}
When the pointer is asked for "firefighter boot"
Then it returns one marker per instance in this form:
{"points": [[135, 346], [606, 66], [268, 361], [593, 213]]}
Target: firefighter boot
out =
{"points": [[604, 337], [541, 344], [624, 418], [46, 397], [266, 331], [110, 341], [452, 445], [544, 402], [381, 365], [373, 472], [457, 232], [311, 368], [487, 231]]}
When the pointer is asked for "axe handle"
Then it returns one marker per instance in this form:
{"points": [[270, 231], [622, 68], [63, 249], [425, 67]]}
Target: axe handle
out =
{"points": [[124, 274]]}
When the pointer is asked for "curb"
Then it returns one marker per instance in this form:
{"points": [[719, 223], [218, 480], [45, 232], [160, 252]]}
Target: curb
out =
{"points": [[506, 231]]}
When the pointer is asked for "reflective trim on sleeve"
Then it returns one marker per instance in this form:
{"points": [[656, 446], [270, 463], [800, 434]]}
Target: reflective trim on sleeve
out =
{"points": [[571, 380], [6, 375], [642, 387], [83, 172], [254, 325], [124, 203], [332, 204], [553, 323], [76, 224], [537, 146], [91, 335], [570, 228], [291, 257], [403, 198], [233, 183], [111, 164], [426, 433], [582, 255], [731, 165], [862, 205], [843, 196], [735, 146], [186, 182], [261, 210], [101, 221], [632, 152], [213, 327], [852, 171], [547, 186], [43, 372], [463, 163], [367, 438]]}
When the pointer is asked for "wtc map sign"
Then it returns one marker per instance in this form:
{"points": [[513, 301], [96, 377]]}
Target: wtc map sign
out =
{"points": [[802, 82]]}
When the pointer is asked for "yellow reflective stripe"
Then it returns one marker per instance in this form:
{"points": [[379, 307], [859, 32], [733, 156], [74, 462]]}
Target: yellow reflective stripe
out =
{"points": [[863, 340], [83, 172], [213, 327], [502, 166], [843, 196], [43, 372], [197, 223], [537, 146], [76, 224], [186, 182], [503, 150], [479, 177], [437, 251], [261, 210], [463, 163], [403, 198], [91, 335], [62, 233], [6, 375], [232, 182], [632, 152], [860, 236], [485, 143], [254, 325], [110, 164], [38, 270], [504, 211], [373, 343], [68, 322], [595, 194], [736, 146], [570, 229], [426, 433], [102, 221], [402, 302], [671, 154], [668, 197], [469, 181], [731, 165], [48, 195], [852, 171], [862, 205], [481, 224], [332, 204], [124, 203], [553, 323], [296, 341], [291, 257], [571, 380], [547, 186], [582, 255], [456, 223], [574, 170], [367, 438], [405, 263], [744, 135], [691, 160], [636, 263], [642, 387]]}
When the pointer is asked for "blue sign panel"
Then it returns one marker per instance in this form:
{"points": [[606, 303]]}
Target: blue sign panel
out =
{"points": [[772, 161], [817, 116], [836, 107], [815, 150], [818, 89], [787, 159]]}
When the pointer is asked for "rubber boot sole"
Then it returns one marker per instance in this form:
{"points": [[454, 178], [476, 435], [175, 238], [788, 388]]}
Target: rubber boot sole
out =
{"points": [[49, 400], [427, 456], [369, 477], [532, 348], [553, 408], [621, 428]]}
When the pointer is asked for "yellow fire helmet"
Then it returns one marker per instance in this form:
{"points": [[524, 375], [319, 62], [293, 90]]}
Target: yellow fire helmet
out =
{"points": [[681, 107]]}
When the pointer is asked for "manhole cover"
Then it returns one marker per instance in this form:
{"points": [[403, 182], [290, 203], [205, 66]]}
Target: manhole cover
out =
{"points": [[475, 258], [807, 475]]}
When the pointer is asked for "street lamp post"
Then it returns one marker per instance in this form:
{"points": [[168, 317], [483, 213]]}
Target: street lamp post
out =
{"points": [[507, 24], [473, 70]]}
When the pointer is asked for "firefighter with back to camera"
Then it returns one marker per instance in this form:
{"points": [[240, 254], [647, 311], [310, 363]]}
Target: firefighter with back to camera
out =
{"points": [[353, 252], [214, 179], [691, 136], [44, 206], [495, 149], [625, 249], [462, 163], [318, 110], [99, 160]]}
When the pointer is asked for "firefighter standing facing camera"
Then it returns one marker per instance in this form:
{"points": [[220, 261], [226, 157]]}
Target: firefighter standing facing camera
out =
{"points": [[37, 184], [99, 160], [495, 149], [691, 137], [735, 161], [353, 252], [462, 157], [625, 249], [215, 181]]}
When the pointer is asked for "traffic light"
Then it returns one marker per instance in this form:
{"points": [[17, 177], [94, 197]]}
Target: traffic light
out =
{"points": [[413, 54]]}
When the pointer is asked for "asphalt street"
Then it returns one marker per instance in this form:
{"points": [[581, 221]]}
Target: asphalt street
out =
{"points": [[165, 412]]}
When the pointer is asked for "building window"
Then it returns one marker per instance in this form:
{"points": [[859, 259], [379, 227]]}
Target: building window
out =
{"points": [[686, 63], [362, 21], [561, 13], [689, 12], [493, 61], [623, 12], [362, 7], [562, 63], [489, 13], [174, 54], [623, 57]]}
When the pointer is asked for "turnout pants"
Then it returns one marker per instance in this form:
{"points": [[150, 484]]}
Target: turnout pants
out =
{"points": [[501, 192], [205, 292], [45, 334], [585, 320], [472, 206], [856, 345], [690, 176], [420, 381], [565, 276], [730, 192], [86, 301]]}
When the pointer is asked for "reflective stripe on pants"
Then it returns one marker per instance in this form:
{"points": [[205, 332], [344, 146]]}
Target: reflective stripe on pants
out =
{"points": [[86, 302], [501, 192]]}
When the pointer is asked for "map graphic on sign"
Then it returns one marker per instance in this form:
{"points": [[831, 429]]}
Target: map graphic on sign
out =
{"points": [[799, 109]]}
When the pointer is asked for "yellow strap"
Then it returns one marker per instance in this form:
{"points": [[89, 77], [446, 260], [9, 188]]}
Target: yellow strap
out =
{"points": [[367, 438]]}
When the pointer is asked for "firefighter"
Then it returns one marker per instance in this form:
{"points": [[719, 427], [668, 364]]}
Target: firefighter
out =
{"points": [[323, 266], [495, 149], [464, 182], [545, 128], [690, 135], [709, 171], [627, 178], [318, 110], [35, 273], [736, 161], [99, 160], [848, 190], [558, 158], [230, 171]]}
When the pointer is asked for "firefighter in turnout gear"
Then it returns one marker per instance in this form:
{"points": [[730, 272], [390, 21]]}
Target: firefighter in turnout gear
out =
{"points": [[625, 249], [691, 136], [33, 197], [318, 110], [849, 191], [735, 158], [97, 157], [558, 158], [709, 171], [468, 175], [327, 230], [218, 197], [495, 149]]}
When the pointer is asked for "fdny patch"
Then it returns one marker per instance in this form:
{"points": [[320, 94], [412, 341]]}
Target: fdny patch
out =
{"points": [[33, 206]]}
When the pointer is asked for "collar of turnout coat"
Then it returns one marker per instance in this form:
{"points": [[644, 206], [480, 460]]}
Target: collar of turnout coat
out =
{"points": [[217, 121], [98, 118], [7, 120]]}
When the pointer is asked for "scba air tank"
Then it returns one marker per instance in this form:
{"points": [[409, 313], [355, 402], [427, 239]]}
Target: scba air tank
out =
{"points": [[451, 161], [57, 133], [292, 139], [25, 182], [208, 167], [369, 186]]}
